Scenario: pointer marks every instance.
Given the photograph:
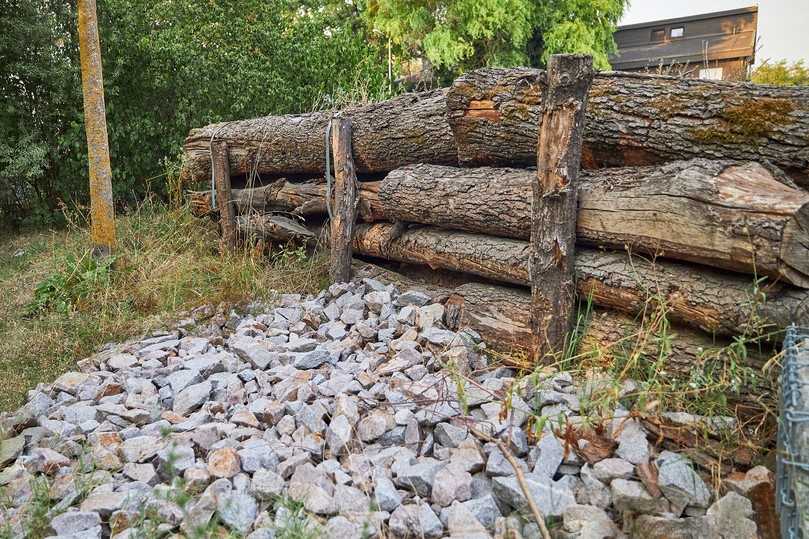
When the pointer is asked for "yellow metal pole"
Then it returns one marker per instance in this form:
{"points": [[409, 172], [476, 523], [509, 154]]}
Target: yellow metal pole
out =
{"points": [[102, 214]]}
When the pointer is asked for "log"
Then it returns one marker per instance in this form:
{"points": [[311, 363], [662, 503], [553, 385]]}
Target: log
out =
{"points": [[297, 198], [735, 216], [344, 202], [411, 128], [275, 228], [227, 213], [716, 302], [553, 208], [634, 119]]}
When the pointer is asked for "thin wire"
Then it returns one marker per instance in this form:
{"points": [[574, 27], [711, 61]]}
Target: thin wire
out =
{"points": [[213, 169]]}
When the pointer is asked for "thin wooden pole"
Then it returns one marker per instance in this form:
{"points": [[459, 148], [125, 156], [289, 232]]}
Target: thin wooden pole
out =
{"points": [[345, 203], [102, 213], [553, 208], [227, 213]]}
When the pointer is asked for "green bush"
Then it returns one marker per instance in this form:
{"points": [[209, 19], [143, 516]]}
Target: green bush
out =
{"points": [[169, 65]]}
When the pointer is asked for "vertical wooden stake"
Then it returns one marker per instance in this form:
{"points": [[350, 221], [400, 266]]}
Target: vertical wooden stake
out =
{"points": [[102, 213], [227, 213], [553, 208], [345, 202]]}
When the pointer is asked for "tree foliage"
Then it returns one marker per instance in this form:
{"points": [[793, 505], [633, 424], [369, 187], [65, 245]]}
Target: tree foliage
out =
{"points": [[456, 35], [782, 73], [169, 65]]}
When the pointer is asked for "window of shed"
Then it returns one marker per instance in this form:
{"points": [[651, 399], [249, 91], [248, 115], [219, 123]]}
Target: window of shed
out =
{"points": [[658, 34], [677, 31]]}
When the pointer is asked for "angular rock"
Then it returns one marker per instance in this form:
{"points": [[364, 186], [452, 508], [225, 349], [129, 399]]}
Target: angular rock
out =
{"points": [[415, 520]]}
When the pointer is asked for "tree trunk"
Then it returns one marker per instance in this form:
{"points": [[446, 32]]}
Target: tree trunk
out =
{"points": [[344, 203], [730, 216], [411, 128], [553, 209], [716, 302], [634, 119], [227, 213]]}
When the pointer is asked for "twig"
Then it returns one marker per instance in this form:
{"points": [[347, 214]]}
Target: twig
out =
{"points": [[520, 479]]}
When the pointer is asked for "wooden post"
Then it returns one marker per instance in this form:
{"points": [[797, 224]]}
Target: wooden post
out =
{"points": [[553, 207], [345, 203], [227, 213], [102, 213]]}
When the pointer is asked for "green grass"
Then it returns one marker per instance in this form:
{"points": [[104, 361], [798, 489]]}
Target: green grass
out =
{"points": [[58, 306]]}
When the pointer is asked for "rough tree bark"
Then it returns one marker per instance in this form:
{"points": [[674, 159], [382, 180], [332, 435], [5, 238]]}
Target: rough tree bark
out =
{"points": [[299, 198], [407, 129], [716, 302], [734, 216], [553, 207], [227, 213], [634, 119], [344, 203]]}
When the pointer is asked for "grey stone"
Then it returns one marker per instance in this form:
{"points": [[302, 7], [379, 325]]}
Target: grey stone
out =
{"points": [[179, 380], [419, 477], [340, 527], [484, 509], [613, 468], [588, 522], [75, 521], [338, 434], [145, 473], [237, 510], [733, 515], [267, 484], [373, 426], [10, 449], [632, 443], [449, 435], [411, 297], [461, 523], [387, 497], [415, 520], [311, 360], [192, 397], [632, 496], [553, 499], [451, 484], [140, 448], [592, 491], [103, 503], [680, 483], [551, 454]]}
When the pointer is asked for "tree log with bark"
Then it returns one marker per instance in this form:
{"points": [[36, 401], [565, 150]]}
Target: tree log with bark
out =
{"points": [[411, 128], [717, 302], [734, 216], [298, 198], [634, 119]]}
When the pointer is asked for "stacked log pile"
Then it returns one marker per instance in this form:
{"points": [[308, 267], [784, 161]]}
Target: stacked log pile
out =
{"points": [[704, 215]]}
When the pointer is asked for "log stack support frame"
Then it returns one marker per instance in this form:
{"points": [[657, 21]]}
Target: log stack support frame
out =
{"points": [[344, 201], [227, 212], [554, 204]]}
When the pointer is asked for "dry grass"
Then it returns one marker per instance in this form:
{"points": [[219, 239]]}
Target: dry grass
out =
{"points": [[166, 263]]}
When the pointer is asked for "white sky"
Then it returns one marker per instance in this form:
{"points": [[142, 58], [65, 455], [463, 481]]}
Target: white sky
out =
{"points": [[783, 25]]}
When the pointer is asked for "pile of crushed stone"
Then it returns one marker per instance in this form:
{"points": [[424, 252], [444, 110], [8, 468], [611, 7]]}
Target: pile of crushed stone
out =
{"points": [[353, 413]]}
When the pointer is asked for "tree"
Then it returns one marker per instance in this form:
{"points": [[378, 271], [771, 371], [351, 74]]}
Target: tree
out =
{"points": [[169, 65], [781, 73], [457, 35]]}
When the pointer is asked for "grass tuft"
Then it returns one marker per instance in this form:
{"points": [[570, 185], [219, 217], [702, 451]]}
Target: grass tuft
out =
{"points": [[58, 305]]}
